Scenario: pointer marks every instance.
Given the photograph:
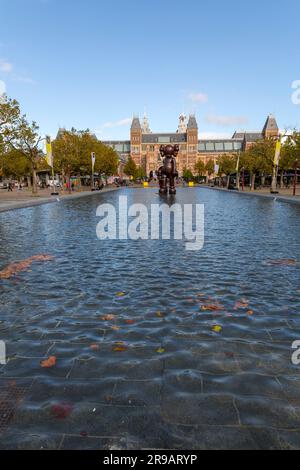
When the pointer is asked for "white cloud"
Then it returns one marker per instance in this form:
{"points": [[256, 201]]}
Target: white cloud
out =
{"points": [[214, 135], [226, 120], [198, 97], [2, 88], [21, 79], [113, 124], [5, 66]]}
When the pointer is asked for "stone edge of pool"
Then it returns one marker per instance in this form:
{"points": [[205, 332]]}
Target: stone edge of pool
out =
{"points": [[10, 206], [289, 199]]}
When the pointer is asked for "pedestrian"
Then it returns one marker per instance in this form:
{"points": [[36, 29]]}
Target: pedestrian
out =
{"points": [[10, 188]]}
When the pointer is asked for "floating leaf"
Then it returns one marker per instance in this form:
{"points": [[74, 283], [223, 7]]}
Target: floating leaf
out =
{"points": [[217, 329], [129, 322], [95, 347], [120, 348], [109, 317], [115, 328], [250, 312], [50, 362], [61, 411], [159, 314], [14, 268], [242, 304], [212, 307], [160, 350], [281, 262], [120, 294]]}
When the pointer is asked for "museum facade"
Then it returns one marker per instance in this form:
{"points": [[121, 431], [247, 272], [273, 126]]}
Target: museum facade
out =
{"points": [[143, 146]]}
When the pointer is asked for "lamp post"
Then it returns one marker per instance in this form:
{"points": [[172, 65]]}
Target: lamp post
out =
{"points": [[295, 178], [93, 155]]}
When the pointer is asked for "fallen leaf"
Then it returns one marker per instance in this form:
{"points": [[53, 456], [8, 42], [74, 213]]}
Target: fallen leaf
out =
{"points": [[50, 362], [281, 262], [217, 329], [160, 350], [115, 328], [159, 314], [120, 294], [129, 322], [83, 433], [239, 305], [108, 317], [14, 268], [120, 348], [61, 411], [94, 347], [250, 312], [212, 307]]}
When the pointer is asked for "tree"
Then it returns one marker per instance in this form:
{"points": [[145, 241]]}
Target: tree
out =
{"points": [[210, 167], [200, 168], [227, 166], [13, 164], [9, 114], [25, 140], [187, 175], [130, 168], [259, 159]]}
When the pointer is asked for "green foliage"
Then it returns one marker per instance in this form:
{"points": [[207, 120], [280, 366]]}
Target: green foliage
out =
{"points": [[72, 153], [187, 175], [210, 167], [227, 164], [130, 168], [200, 168]]}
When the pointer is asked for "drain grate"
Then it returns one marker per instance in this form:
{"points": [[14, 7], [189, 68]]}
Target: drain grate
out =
{"points": [[11, 397]]}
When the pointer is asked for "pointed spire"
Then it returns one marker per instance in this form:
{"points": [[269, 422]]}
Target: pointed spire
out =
{"points": [[135, 125], [182, 124], [192, 124], [270, 128], [145, 127]]}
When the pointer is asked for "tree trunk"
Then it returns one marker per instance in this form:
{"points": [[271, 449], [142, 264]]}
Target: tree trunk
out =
{"points": [[263, 180], [34, 181], [238, 176], [253, 182], [281, 180], [228, 182]]}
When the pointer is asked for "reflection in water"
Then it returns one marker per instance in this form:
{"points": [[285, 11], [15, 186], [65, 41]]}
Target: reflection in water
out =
{"points": [[196, 338]]}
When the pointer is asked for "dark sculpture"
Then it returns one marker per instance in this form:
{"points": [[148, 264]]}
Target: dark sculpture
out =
{"points": [[167, 173]]}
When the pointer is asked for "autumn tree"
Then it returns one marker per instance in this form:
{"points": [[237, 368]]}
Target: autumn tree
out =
{"points": [[130, 168], [210, 168], [227, 166], [200, 168]]}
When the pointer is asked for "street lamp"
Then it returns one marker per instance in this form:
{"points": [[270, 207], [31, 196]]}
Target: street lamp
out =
{"points": [[295, 178]]}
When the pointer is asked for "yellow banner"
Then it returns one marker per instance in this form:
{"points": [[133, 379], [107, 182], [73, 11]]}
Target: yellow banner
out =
{"points": [[277, 153], [49, 155]]}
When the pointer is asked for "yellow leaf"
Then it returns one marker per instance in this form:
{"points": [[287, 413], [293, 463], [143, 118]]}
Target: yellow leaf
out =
{"points": [[217, 328], [120, 294], [160, 350]]}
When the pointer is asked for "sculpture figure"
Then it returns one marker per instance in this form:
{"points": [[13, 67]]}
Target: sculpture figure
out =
{"points": [[168, 172]]}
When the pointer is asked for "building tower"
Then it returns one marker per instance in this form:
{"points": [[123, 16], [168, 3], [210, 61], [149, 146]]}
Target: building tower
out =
{"points": [[270, 130], [182, 124], [192, 142], [145, 126], [136, 141]]}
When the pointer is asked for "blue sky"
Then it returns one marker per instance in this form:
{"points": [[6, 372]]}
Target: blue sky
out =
{"points": [[93, 63]]}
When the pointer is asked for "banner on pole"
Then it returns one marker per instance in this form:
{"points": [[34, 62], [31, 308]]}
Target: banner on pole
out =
{"points": [[277, 153], [49, 154], [217, 167], [93, 155]]}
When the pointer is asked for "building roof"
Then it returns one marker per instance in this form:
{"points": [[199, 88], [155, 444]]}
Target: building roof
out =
{"points": [[192, 123], [271, 124], [248, 136], [136, 125], [164, 138]]}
